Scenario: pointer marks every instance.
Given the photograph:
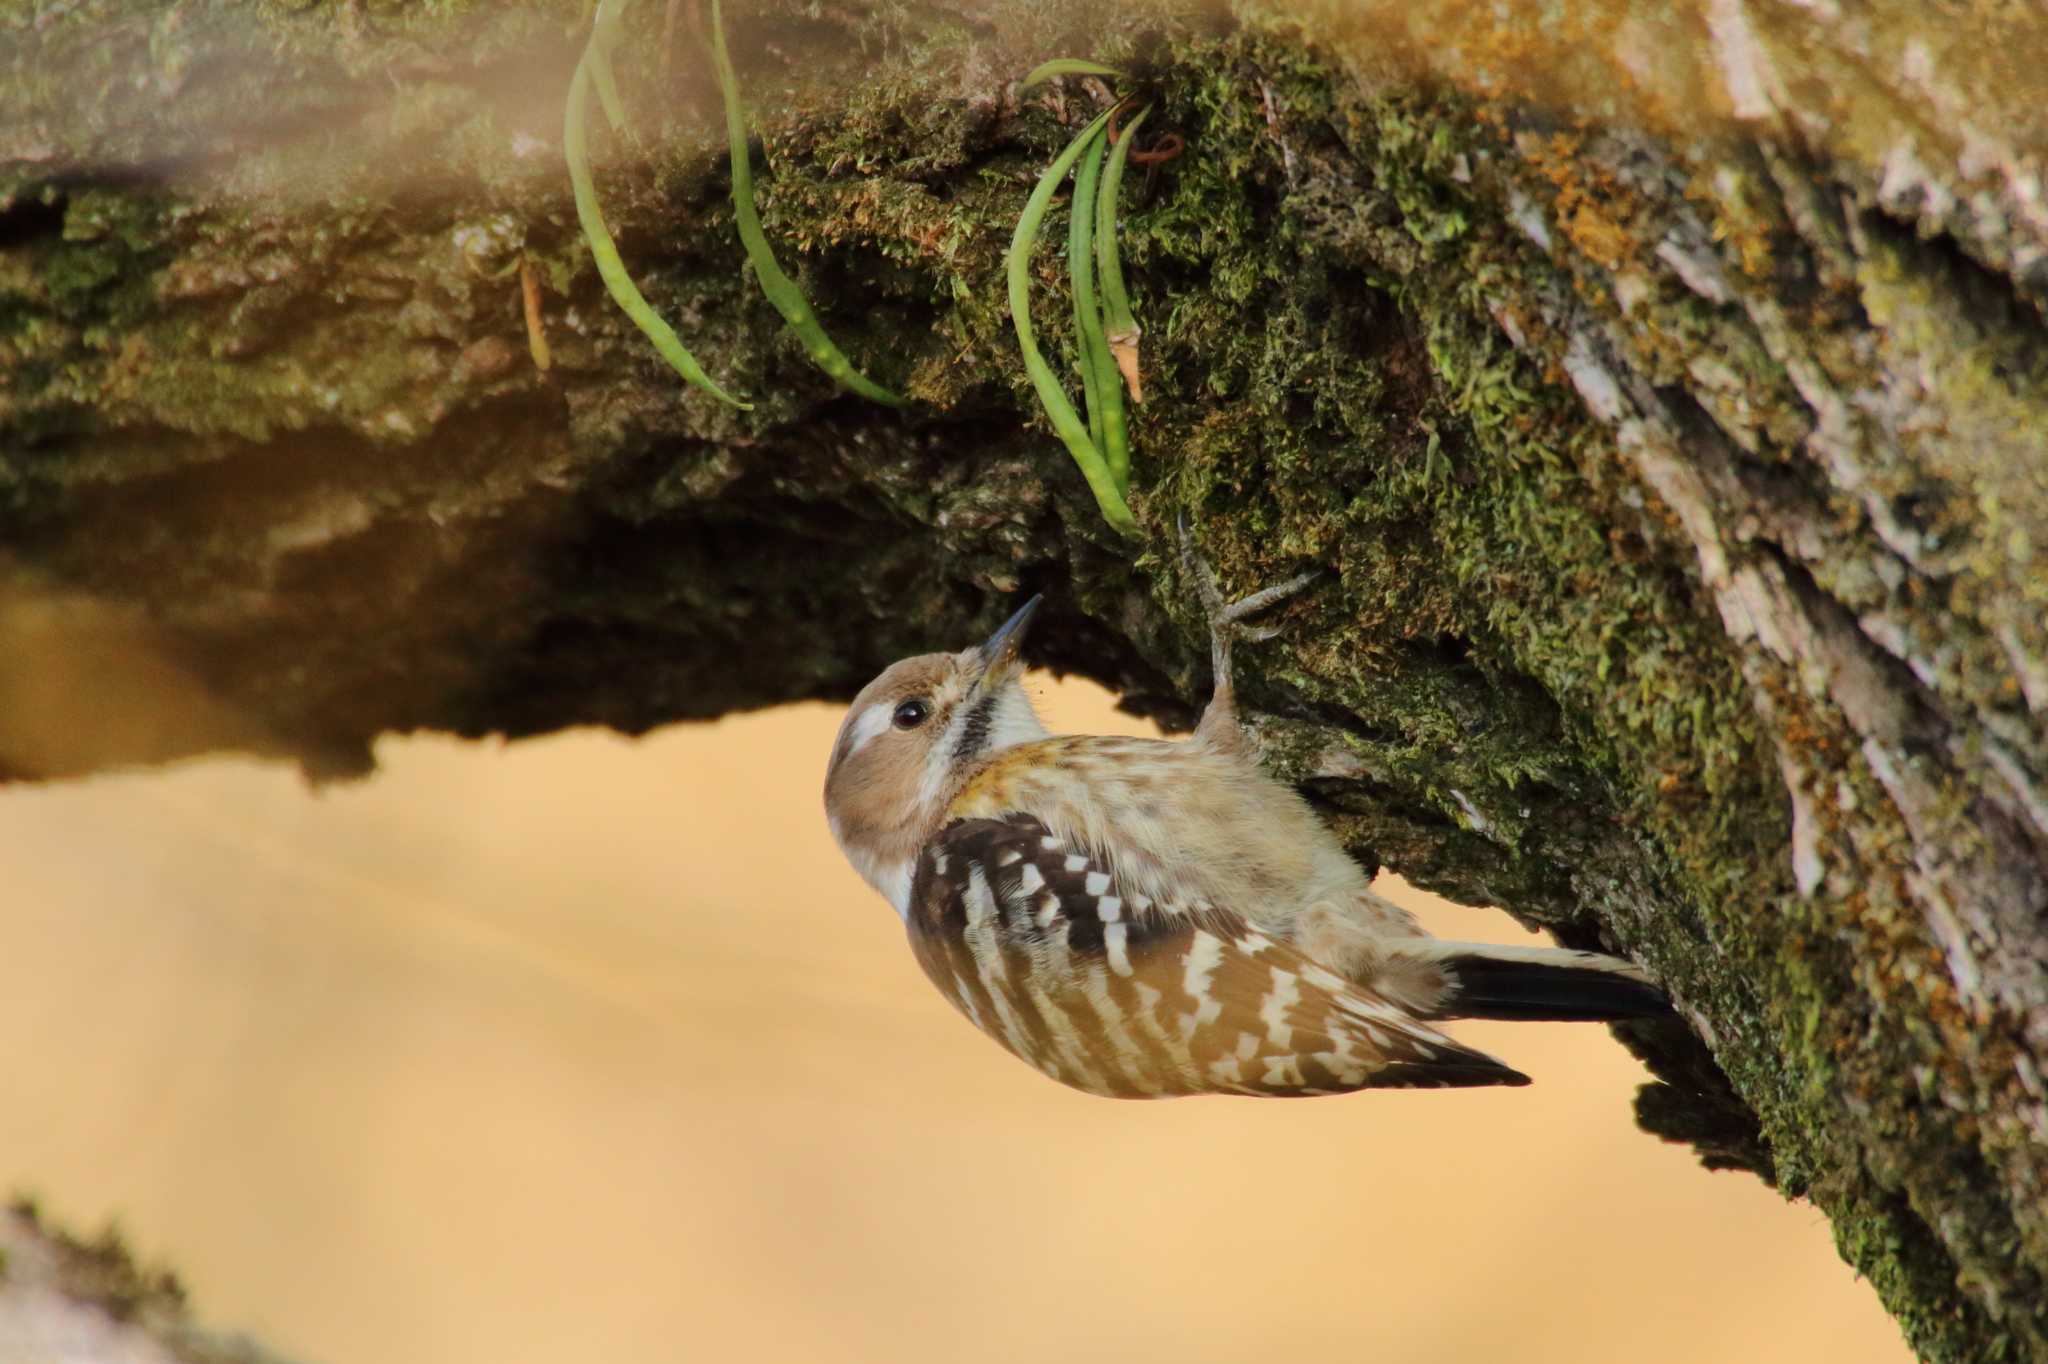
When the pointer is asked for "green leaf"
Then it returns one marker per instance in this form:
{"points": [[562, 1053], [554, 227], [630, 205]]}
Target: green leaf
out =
{"points": [[595, 65], [1098, 371], [779, 288], [1120, 328], [1067, 66], [1108, 496]]}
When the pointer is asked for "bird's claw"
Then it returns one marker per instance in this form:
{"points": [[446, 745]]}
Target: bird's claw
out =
{"points": [[1226, 619], [1250, 605]]}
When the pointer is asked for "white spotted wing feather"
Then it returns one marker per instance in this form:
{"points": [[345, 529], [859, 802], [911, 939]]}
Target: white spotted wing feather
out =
{"points": [[1110, 992]]}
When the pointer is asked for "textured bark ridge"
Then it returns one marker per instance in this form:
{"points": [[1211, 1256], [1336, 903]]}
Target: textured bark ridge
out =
{"points": [[66, 1299], [1661, 392]]}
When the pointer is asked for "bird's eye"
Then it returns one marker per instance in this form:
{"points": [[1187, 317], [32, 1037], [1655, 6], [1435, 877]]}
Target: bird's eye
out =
{"points": [[911, 714]]}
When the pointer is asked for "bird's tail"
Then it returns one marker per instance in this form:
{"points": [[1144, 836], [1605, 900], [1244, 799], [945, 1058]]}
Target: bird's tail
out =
{"points": [[1486, 980]]}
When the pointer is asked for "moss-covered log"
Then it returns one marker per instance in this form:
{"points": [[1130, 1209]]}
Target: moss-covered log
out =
{"points": [[1661, 390]]}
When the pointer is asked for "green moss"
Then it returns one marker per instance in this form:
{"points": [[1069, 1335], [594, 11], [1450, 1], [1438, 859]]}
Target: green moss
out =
{"points": [[1489, 552], [1325, 367], [1510, 675]]}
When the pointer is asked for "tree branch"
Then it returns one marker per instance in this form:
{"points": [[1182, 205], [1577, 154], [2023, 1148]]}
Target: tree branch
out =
{"points": [[1674, 454]]}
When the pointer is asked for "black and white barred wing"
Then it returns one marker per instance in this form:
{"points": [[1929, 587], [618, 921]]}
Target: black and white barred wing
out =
{"points": [[1112, 994]]}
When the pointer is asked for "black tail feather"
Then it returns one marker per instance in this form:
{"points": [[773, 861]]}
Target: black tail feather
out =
{"points": [[1490, 987], [1438, 1075]]}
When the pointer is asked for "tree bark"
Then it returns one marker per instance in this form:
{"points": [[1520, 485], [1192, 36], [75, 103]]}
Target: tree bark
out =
{"points": [[62, 1298], [1660, 391]]}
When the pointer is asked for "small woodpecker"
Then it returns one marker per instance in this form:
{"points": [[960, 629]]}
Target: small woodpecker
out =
{"points": [[1140, 918]]}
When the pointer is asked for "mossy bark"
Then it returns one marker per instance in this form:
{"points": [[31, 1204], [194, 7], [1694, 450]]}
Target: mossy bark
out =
{"points": [[1660, 390]]}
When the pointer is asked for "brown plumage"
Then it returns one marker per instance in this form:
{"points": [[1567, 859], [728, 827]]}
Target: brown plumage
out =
{"points": [[1143, 918]]}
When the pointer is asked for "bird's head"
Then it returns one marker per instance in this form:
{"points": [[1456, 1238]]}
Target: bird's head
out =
{"points": [[911, 740]]}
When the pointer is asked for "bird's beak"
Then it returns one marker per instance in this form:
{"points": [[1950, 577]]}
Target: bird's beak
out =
{"points": [[1000, 656]]}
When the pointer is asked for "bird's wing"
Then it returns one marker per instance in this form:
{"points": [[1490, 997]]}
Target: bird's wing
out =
{"points": [[1136, 999]]}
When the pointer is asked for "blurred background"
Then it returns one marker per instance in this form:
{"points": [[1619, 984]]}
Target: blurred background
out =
{"points": [[592, 1049]]}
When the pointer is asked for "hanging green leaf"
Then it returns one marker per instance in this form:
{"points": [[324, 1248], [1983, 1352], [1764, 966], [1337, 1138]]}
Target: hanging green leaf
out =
{"points": [[604, 36], [1065, 421], [1119, 326], [1066, 66], [1093, 357], [780, 289], [595, 66]]}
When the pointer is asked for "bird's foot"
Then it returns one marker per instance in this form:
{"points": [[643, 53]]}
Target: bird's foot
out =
{"points": [[1227, 620]]}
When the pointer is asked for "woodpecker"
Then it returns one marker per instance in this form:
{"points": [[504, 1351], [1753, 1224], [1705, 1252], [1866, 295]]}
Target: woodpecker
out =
{"points": [[1143, 918]]}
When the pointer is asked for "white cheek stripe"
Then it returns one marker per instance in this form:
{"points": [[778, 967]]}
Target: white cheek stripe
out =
{"points": [[938, 773], [1014, 721], [872, 723]]}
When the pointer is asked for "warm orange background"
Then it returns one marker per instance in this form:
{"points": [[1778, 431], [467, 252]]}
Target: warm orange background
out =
{"points": [[593, 1050]]}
